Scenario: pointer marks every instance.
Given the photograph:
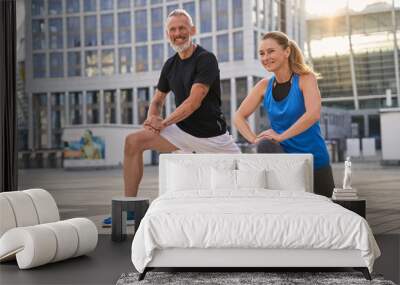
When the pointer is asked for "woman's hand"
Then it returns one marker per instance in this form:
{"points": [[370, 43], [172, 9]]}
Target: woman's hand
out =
{"points": [[269, 134]]}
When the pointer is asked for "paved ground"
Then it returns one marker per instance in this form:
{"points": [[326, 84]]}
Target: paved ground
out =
{"points": [[88, 193]]}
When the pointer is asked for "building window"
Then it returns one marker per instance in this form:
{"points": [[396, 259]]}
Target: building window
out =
{"points": [[241, 93], [155, 2], [92, 107], [126, 106], [107, 62], [347, 105], [57, 119], [255, 51], [55, 7], [74, 63], [107, 29], [72, 6], [90, 31], [56, 64], [91, 63], [223, 48], [40, 120], [207, 43], [124, 28], [237, 15], [241, 90], [238, 45], [143, 100], [89, 5], [73, 32], [172, 105], [109, 107], [205, 16], [275, 19], [106, 5], [75, 103], [261, 13], [222, 12], [282, 16], [39, 65], [125, 60], [157, 56], [124, 4], [55, 33], [38, 34], [190, 8], [140, 3], [157, 24], [226, 100], [141, 59], [171, 8], [170, 50], [141, 26], [254, 15], [37, 7]]}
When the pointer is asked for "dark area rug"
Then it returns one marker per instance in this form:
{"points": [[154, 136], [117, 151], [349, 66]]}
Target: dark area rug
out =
{"points": [[242, 278]]}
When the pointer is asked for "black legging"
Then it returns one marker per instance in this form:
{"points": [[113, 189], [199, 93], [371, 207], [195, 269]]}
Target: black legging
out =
{"points": [[323, 181], [323, 178]]}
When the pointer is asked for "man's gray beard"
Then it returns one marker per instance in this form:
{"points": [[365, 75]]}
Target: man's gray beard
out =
{"points": [[182, 47]]}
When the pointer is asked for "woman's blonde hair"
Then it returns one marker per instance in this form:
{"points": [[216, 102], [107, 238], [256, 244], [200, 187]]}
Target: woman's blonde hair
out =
{"points": [[296, 58]]}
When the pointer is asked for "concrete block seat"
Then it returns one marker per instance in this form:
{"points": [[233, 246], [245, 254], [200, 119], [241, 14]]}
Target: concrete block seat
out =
{"points": [[31, 231]]}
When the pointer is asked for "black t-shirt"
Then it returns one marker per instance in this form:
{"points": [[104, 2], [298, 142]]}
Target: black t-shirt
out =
{"points": [[179, 75]]}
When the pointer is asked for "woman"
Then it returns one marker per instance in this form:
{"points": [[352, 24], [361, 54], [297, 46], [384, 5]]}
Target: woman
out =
{"points": [[292, 101]]}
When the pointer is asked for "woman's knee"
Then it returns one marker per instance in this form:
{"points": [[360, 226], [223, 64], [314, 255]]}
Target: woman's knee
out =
{"points": [[266, 146]]}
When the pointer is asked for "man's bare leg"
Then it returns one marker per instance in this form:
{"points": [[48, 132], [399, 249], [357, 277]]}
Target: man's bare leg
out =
{"points": [[135, 145]]}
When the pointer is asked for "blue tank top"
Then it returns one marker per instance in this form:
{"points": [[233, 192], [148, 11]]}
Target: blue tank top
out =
{"points": [[283, 114]]}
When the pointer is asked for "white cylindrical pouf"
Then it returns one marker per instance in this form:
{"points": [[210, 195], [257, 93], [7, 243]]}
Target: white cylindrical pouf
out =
{"points": [[34, 246], [66, 237], [45, 205], [23, 207], [7, 218], [87, 235]]}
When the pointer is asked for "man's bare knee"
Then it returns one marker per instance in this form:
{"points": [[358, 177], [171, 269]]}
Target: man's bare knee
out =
{"points": [[137, 142], [133, 143]]}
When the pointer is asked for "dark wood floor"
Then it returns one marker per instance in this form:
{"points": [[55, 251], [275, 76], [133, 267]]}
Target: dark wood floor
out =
{"points": [[103, 266], [106, 264]]}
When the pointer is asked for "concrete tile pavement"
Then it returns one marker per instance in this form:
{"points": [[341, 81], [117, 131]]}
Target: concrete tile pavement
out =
{"points": [[380, 186], [88, 193]]}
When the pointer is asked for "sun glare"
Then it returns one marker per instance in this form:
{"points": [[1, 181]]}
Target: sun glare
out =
{"points": [[324, 8], [330, 7]]}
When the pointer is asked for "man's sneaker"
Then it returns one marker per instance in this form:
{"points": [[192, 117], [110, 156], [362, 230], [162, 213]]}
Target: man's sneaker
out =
{"points": [[107, 222]]}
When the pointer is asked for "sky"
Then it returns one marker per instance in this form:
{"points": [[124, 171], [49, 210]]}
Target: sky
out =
{"points": [[330, 7]]}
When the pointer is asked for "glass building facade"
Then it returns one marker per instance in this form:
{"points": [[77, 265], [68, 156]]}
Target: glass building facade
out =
{"points": [[98, 61], [355, 56]]}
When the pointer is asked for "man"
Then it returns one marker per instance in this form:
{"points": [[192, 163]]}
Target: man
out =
{"points": [[197, 125]]}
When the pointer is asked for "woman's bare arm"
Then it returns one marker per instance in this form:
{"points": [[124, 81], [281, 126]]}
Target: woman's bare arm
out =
{"points": [[248, 107]]}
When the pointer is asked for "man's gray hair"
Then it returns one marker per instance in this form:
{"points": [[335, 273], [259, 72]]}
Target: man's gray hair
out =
{"points": [[180, 12]]}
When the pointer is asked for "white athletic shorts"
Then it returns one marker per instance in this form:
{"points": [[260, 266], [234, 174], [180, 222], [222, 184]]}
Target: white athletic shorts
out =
{"points": [[190, 144]]}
